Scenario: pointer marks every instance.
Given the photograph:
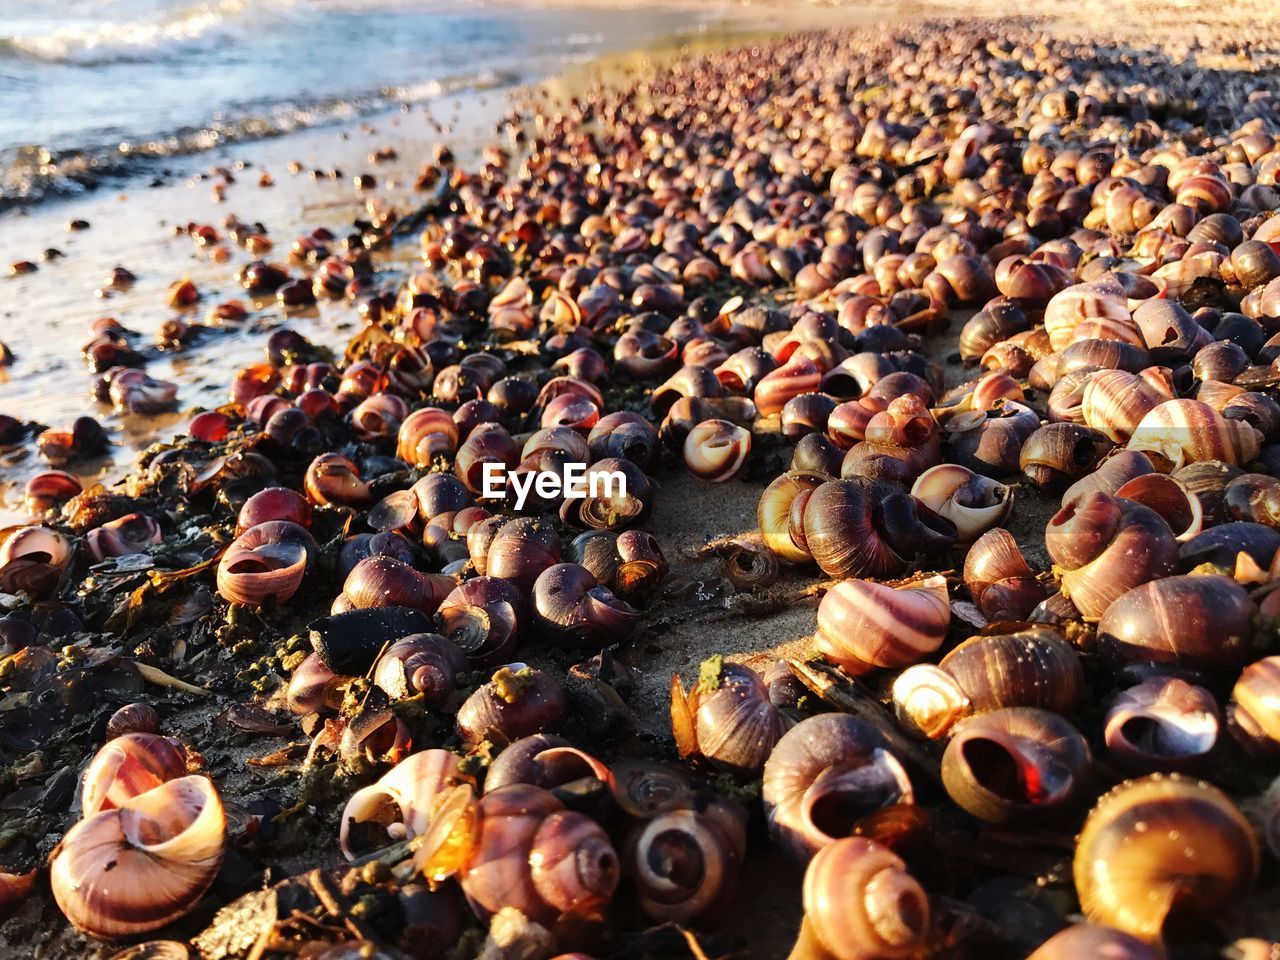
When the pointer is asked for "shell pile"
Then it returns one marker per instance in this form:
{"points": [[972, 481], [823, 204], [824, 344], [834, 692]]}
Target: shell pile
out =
{"points": [[985, 321]]}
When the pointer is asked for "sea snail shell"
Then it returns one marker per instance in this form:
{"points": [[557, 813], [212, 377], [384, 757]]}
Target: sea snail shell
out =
{"points": [[733, 725], [265, 563], [860, 903], [1107, 546], [715, 450], [972, 502], [126, 871], [129, 766], [1199, 621], [999, 579], [863, 625], [402, 800], [685, 863], [1018, 764], [774, 512], [518, 846], [1087, 941], [824, 774], [1161, 849], [1163, 723], [1253, 714], [1178, 432], [1035, 667]]}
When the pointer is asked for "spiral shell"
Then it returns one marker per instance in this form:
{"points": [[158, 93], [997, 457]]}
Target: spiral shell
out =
{"points": [[858, 527], [1178, 506], [1035, 667], [798, 375], [972, 502], [1080, 302], [1106, 547], [1161, 849], [517, 701], [573, 610], [332, 478], [863, 625], [999, 579], [424, 663], [685, 863], [1204, 622], [1087, 940], [1161, 724], [1254, 711], [1179, 432], [1059, 453], [860, 903], [1017, 765], [265, 564], [715, 450], [1114, 473], [133, 869], [425, 434], [824, 774], [543, 760], [733, 724], [773, 513], [133, 718], [1114, 402], [402, 800], [130, 765]]}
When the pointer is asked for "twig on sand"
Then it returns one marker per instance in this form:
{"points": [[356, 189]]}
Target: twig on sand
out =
{"points": [[747, 604], [390, 855], [690, 940], [336, 906], [159, 678]]}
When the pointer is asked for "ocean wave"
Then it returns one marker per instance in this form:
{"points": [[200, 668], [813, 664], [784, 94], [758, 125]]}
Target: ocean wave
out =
{"points": [[200, 26]]}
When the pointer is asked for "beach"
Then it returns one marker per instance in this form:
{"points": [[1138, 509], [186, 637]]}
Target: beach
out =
{"points": [[340, 156]]}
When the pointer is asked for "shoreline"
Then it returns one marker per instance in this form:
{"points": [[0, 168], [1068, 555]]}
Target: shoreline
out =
{"points": [[133, 226], [160, 156], [55, 172]]}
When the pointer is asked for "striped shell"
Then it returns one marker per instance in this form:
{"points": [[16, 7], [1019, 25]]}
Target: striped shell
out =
{"points": [[822, 776], [1080, 302], [402, 799], [1115, 401], [126, 871], [799, 375], [1106, 547], [863, 625], [130, 765], [972, 502], [861, 903], [1035, 667], [1188, 431], [715, 450]]}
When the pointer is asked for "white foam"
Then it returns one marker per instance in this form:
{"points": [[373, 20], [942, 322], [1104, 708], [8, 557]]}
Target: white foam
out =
{"points": [[193, 27]]}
